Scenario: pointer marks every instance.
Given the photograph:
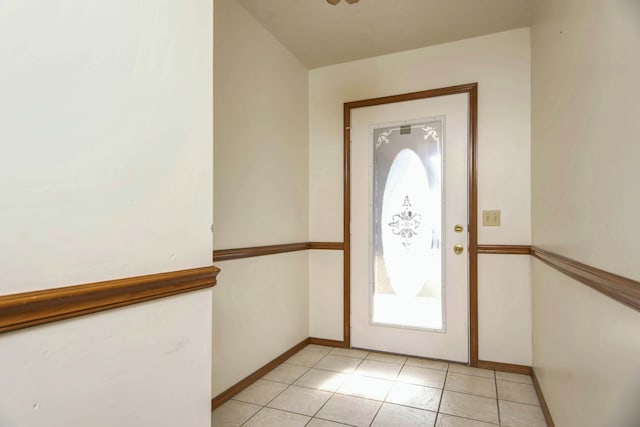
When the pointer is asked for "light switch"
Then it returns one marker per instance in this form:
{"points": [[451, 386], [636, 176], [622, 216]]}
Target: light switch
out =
{"points": [[491, 218]]}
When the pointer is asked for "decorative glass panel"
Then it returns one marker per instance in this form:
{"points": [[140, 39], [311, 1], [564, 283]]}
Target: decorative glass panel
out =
{"points": [[407, 219]]}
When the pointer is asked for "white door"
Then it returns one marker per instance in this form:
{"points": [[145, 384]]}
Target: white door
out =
{"points": [[409, 287]]}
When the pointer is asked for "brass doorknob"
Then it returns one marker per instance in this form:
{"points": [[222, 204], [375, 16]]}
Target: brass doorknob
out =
{"points": [[458, 249]]}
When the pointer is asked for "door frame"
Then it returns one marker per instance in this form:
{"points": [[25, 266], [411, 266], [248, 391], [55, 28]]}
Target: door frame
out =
{"points": [[472, 203]]}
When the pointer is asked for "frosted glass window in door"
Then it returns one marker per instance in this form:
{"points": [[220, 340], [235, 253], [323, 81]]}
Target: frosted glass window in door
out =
{"points": [[407, 288]]}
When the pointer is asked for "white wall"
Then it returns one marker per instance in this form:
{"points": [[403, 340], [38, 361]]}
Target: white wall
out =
{"points": [[585, 353], [261, 192], [106, 140], [504, 299], [326, 294], [105, 172], [585, 63], [261, 135], [260, 311], [142, 365], [500, 64]]}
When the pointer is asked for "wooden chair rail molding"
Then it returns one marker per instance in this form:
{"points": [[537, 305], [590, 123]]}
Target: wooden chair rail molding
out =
{"points": [[254, 251], [331, 246], [27, 309], [504, 249], [621, 289]]}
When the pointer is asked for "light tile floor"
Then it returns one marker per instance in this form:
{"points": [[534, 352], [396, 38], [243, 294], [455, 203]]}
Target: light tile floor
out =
{"points": [[324, 386]]}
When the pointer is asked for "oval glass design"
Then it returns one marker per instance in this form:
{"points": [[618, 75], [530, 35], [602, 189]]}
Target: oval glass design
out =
{"points": [[407, 224], [407, 221]]}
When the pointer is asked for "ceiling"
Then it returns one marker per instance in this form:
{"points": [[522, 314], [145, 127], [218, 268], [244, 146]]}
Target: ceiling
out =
{"points": [[320, 34]]}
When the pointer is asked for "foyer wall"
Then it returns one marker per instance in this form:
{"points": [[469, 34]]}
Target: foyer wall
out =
{"points": [[260, 306], [585, 67], [105, 173], [500, 63]]}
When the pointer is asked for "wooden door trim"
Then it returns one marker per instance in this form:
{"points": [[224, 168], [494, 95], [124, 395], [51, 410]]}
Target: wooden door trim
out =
{"points": [[473, 224], [346, 223], [472, 165]]}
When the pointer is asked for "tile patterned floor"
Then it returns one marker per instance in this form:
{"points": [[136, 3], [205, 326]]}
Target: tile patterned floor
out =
{"points": [[324, 387]]}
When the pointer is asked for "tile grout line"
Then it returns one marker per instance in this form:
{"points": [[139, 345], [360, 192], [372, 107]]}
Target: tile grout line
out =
{"points": [[265, 406], [335, 392], [377, 412], [332, 394], [352, 373], [442, 392], [387, 394], [521, 403], [286, 388], [515, 401], [249, 419], [469, 394], [464, 417]]}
